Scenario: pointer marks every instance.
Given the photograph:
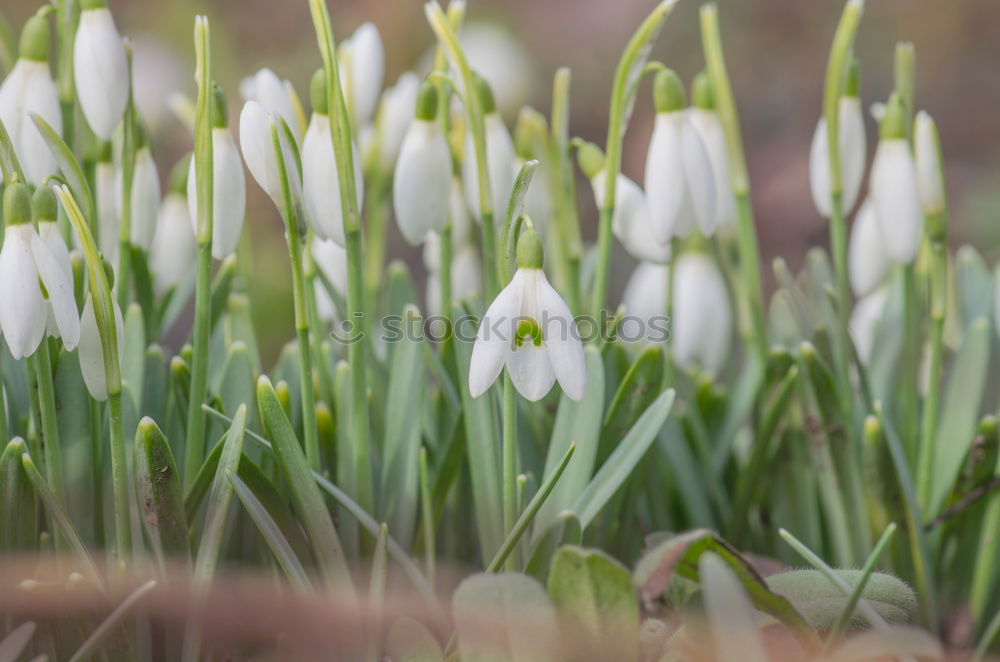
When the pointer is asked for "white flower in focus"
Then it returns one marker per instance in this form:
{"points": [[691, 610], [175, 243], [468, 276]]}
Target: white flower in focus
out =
{"points": [[27, 89], [229, 188], [331, 260], [145, 198], [100, 68], [362, 68], [91, 352], [530, 329], [864, 320], [394, 117], [702, 319], [275, 95], [893, 187], [421, 192], [257, 144], [853, 148], [868, 263], [927, 150], [499, 160]]}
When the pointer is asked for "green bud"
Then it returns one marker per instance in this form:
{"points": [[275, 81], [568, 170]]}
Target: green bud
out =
{"points": [[93, 4], [106, 152], [485, 95], [44, 205], [531, 133], [179, 176], [702, 95], [17, 204], [591, 159], [529, 250], [317, 92], [668, 92], [220, 108], [427, 102], [35, 39], [853, 78], [895, 121]]}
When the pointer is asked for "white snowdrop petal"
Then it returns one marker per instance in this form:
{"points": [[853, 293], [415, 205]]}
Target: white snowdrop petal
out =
{"points": [[422, 182], [145, 199], [631, 224], [928, 162], [271, 92], [645, 295], [495, 336], [538, 197], [367, 69], [105, 193], [699, 179], [101, 71], [702, 314], [331, 258], [864, 319], [228, 194], [91, 352], [531, 372], [819, 169], [664, 176], [41, 98], [499, 168], [709, 128], [395, 115], [867, 261], [896, 200], [561, 340], [23, 315], [174, 246], [320, 190], [853, 150], [59, 286]]}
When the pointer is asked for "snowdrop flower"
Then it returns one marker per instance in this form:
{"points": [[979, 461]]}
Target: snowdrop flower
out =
{"points": [[680, 185], [277, 96], [421, 188], [706, 121], [29, 88], [853, 147], [257, 144], [107, 202], [893, 185], [702, 323], [319, 165], [145, 195], [499, 158], [26, 260], [645, 299], [174, 245], [466, 278], [927, 147], [362, 68], [229, 188], [868, 263], [531, 142], [864, 320], [502, 60], [530, 329], [394, 117], [331, 259], [631, 223], [92, 352], [100, 68]]}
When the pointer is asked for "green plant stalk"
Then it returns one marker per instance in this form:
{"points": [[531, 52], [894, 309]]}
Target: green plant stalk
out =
{"points": [[905, 78], [8, 46], [928, 428], [622, 93], [427, 517], [67, 17], [509, 450], [726, 107], [119, 479], [444, 275], [375, 232], [909, 366], [129, 149], [42, 361], [446, 35], [204, 163], [97, 468], [567, 248]]}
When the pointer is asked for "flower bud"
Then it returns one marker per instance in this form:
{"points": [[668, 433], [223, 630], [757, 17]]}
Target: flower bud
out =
{"points": [[499, 158], [145, 197], [100, 68], [893, 186], [930, 173], [275, 96], [362, 68], [394, 117], [257, 143]]}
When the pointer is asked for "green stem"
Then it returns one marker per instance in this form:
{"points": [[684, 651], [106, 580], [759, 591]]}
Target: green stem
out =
{"points": [[299, 295], [119, 480], [50, 429], [909, 365], [928, 428], [509, 462], [566, 246], [97, 469], [68, 14], [129, 149], [444, 270]]}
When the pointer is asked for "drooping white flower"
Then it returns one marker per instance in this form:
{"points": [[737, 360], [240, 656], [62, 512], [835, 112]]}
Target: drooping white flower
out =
{"points": [[275, 95], [145, 198], [331, 259], [499, 160], [853, 147], [645, 301], [631, 223], [421, 185], [530, 329], [107, 203], [498, 56], [257, 144], [466, 278], [29, 88], [706, 122], [26, 260], [868, 263], [174, 245], [927, 147], [100, 68], [229, 188], [394, 117], [362, 68], [702, 323], [864, 320], [893, 186], [91, 351]]}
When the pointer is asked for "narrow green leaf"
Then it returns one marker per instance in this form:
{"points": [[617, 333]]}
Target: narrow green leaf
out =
{"points": [[859, 586], [19, 524], [637, 390], [68, 165], [107, 626], [237, 382], [376, 593], [221, 286], [158, 493]]}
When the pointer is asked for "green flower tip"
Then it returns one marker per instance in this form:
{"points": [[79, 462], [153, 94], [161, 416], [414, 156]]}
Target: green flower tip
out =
{"points": [[485, 95], [179, 176], [17, 204], [988, 425], [35, 39], [93, 4], [853, 77], [220, 108], [530, 131], [317, 92], [109, 272], [591, 159], [147, 426], [44, 205], [427, 102], [16, 446], [529, 250], [668, 92], [105, 152], [894, 122], [702, 95], [872, 428]]}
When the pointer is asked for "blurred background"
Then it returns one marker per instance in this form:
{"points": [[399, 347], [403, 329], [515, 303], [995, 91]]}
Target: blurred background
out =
{"points": [[776, 52]]}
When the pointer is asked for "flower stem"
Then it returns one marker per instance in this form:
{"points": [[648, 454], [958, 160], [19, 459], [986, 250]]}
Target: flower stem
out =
{"points": [[50, 429], [299, 294], [509, 462], [928, 428], [910, 362], [129, 148], [567, 246], [119, 480]]}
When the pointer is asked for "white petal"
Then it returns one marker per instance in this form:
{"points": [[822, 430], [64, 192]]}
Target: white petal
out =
{"points": [[320, 188], [709, 128], [422, 182], [461, 222], [331, 258], [853, 149], [23, 313], [645, 295], [702, 314], [896, 200], [664, 179], [363, 78], [174, 246], [398, 103], [466, 274], [499, 168], [538, 197], [495, 336], [228, 194], [13, 97], [41, 98], [868, 263], [928, 161], [101, 71], [145, 199], [105, 192], [865, 318], [271, 92], [59, 285], [531, 372], [631, 223], [699, 179], [561, 339], [91, 352], [819, 169], [502, 59], [257, 145]]}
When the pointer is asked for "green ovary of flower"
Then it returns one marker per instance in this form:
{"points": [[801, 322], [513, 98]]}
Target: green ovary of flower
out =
{"points": [[528, 328]]}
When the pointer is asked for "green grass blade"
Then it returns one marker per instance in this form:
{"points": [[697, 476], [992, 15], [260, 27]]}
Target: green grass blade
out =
{"points": [[158, 493], [866, 571], [376, 593], [68, 164], [18, 503], [115, 618]]}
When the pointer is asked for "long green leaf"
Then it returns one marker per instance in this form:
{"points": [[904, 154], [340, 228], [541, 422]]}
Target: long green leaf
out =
{"points": [[158, 493], [730, 614], [19, 524], [68, 164]]}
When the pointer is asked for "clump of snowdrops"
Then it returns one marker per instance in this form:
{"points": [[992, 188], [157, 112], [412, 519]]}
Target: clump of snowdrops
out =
{"points": [[599, 465]]}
